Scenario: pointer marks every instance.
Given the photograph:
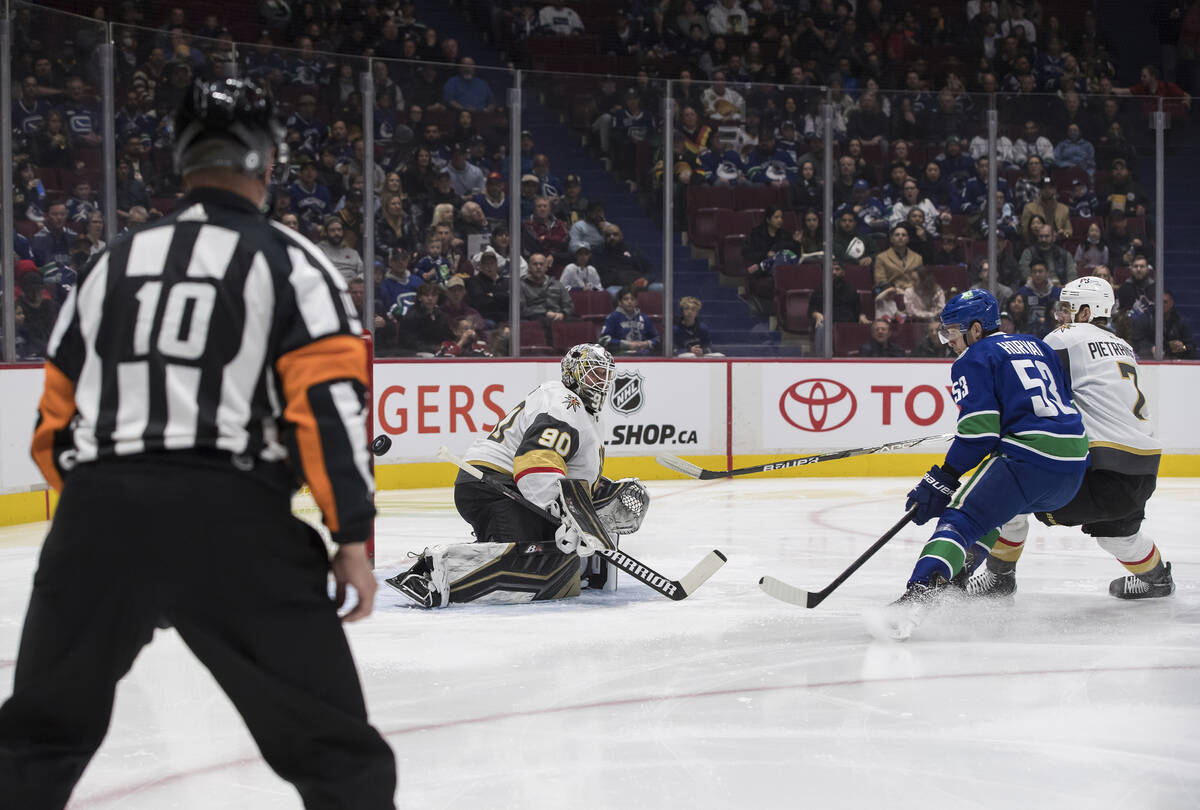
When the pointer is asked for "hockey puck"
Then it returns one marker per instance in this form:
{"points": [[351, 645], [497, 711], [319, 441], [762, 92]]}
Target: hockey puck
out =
{"points": [[381, 445]]}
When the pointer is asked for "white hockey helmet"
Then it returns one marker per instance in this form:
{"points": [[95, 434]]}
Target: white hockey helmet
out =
{"points": [[855, 249], [1094, 293], [588, 370]]}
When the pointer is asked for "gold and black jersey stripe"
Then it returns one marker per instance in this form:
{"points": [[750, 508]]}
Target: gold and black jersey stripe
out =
{"points": [[213, 330]]}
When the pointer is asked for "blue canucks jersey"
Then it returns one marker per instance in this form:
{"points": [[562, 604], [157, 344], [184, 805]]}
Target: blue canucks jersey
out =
{"points": [[1014, 398]]}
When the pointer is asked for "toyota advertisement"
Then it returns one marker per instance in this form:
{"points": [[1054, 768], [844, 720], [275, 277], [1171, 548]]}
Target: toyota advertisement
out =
{"points": [[834, 405]]}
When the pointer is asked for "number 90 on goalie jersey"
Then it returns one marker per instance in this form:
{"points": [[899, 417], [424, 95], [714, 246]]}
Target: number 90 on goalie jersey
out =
{"points": [[545, 437]]}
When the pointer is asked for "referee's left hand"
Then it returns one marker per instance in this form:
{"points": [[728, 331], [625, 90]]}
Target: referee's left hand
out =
{"points": [[352, 567]]}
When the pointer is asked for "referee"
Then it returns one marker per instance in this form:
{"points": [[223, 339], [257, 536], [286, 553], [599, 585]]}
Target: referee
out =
{"points": [[202, 366]]}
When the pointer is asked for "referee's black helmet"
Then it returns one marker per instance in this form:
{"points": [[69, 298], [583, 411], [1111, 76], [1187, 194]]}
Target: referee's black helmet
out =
{"points": [[229, 123]]}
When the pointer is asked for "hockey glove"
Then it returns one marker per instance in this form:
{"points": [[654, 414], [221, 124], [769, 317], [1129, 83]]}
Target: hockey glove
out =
{"points": [[932, 494]]}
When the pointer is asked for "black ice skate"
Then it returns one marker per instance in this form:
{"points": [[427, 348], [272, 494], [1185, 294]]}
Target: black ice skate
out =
{"points": [[1156, 583], [417, 583], [989, 584]]}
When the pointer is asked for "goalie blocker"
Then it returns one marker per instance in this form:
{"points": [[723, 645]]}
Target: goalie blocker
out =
{"points": [[520, 556]]}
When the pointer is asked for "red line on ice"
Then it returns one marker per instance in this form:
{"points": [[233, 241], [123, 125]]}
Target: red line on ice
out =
{"points": [[115, 794]]}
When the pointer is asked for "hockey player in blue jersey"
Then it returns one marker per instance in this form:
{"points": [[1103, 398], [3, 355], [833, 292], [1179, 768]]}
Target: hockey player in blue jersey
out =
{"points": [[1017, 428]]}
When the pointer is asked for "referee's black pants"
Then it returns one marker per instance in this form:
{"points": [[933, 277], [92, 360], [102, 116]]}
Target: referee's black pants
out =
{"points": [[219, 555]]}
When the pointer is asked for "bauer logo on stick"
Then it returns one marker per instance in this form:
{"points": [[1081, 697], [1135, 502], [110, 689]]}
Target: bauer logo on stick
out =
{"points": [[627, 395]]}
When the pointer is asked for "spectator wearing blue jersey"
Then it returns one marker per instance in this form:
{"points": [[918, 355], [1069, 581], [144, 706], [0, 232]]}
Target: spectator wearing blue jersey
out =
{"points": [[869, 211], [587, 230], [1041, 295], [691, 336], [398, 290], [1017, 427], [82, 203], [311, 132], [493, 200], [1075, 152], [627, 330], [310, 199], [29, 110], [974, 195], [81, 115], [466, 91], [53, 242]]}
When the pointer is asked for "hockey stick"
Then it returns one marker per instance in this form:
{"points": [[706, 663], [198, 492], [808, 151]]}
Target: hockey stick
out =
{"points": [[671, 588], [693, 471], [798, 596]]}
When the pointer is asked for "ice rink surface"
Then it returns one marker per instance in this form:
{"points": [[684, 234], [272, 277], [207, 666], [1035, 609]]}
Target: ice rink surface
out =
{"points": [[1069, 699]]}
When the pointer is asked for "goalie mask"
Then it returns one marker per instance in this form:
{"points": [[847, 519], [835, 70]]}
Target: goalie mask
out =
{"points": [[1094, 293], [588, 370]]}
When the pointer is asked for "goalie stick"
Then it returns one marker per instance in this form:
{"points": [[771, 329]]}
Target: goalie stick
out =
{"points": [[798, 596], [691, 470], [676, 589]]}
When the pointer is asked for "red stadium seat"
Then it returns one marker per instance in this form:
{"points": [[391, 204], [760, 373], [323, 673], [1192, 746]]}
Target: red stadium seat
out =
{"points": [[949, 276], [569, 333], [866, 303], [703, 231], [858, 276], [849, 337], [793, 311], [533, 339], [747, 197], [592, 305], [732, 263], [650, 302], [699, 197], [806, 276], [1079, 225], [734, 222], [1064, 178]]}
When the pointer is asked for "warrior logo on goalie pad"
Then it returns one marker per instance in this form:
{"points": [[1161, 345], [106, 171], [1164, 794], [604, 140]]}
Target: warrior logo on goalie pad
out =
{"points": [[627, 394]]}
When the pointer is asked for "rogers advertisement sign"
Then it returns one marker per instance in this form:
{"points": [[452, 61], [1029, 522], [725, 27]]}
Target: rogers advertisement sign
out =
{"points": [[654, 407], [811, 405]]}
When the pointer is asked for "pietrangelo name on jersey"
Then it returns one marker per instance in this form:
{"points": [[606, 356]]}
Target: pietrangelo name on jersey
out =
{"points": [[1108, 348]]}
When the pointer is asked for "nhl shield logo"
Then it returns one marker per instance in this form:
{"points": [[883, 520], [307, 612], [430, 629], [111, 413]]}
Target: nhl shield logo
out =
{"points": [[627, 395]]}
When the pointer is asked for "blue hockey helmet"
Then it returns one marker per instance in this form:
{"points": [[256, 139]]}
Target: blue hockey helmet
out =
{"points": [[967, 307]]}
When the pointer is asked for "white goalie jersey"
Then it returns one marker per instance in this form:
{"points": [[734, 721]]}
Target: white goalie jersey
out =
{"points": [[1103, 371], [547, 436]]}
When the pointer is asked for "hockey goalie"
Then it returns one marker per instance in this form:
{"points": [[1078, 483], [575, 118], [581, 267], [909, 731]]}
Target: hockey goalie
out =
{"points": [[541, 449]]}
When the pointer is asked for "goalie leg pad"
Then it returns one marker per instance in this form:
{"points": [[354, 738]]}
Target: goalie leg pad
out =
{"points": [[621, 505], [502, 573]]}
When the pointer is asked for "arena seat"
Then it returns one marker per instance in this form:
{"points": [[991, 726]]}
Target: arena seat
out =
{"points": [[567, 334], [703, 229], [650, 302], [592, 305], [731, 262], [533, 340], [793, 311], [949, 275], [848, 337]]}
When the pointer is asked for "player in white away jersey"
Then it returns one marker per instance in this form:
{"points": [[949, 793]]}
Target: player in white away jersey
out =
{"points": [[553, 434], [1123, 472]]}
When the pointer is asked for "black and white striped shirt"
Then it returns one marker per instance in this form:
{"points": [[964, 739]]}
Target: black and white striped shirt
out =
{"points": [[213, 329]]}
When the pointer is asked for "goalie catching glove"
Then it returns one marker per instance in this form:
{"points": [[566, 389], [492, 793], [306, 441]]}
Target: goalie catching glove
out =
{"points": [[621, 505]]}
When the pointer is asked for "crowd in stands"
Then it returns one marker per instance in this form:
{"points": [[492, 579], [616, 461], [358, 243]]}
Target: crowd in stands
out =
{"points": [[907, 92]]}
